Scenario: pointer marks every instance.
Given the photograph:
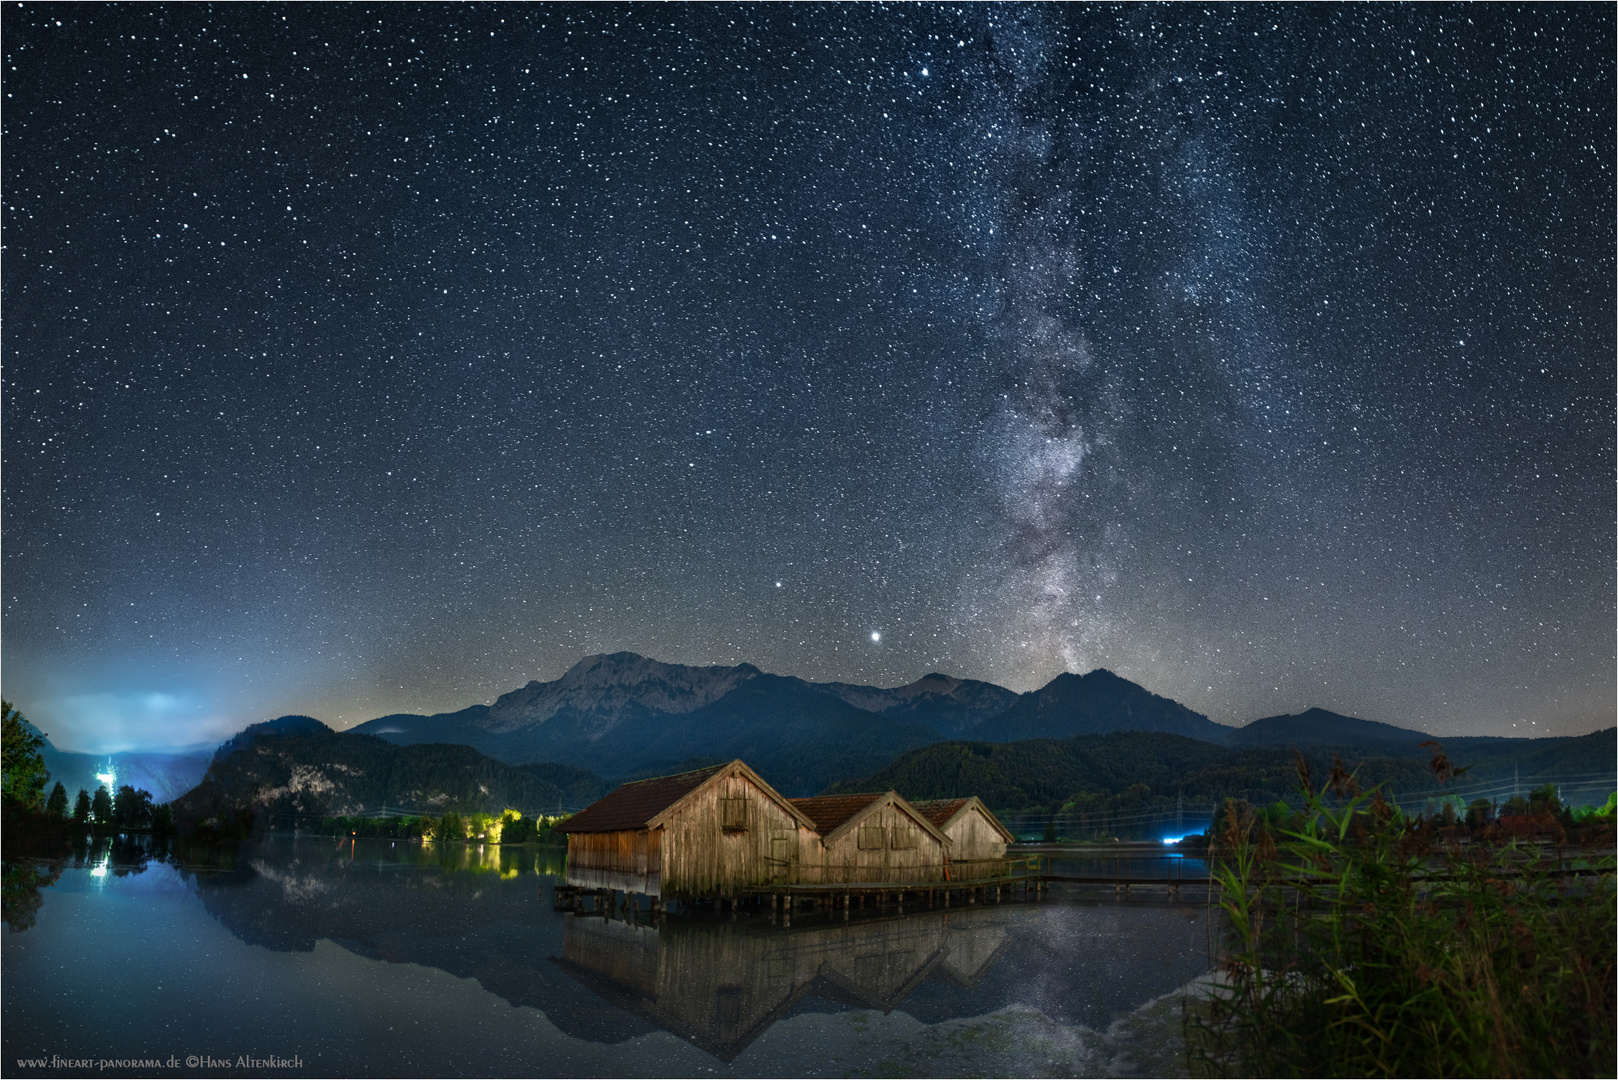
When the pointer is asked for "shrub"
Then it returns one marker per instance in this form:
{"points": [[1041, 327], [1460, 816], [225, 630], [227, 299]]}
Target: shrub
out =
{"points": [[1363, 943]]}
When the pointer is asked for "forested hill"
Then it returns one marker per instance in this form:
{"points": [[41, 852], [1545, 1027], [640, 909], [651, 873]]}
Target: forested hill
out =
{"points": [[309, 770], [1048, 773]]}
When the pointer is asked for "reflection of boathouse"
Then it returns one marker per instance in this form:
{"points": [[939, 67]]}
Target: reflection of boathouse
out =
{"points": [[720, 986], [722, 832]]}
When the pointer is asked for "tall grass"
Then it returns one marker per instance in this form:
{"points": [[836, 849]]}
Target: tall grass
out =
{"points": [[1367, 942]]}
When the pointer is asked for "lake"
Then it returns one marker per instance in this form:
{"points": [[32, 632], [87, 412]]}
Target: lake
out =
{"points": [[384, 958]]}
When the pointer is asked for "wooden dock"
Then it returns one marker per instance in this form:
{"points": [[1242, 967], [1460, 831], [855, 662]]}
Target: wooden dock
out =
{"points": [[783, 900]]}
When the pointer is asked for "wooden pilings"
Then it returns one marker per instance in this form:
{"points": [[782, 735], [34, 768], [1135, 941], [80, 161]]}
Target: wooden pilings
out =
{"points": [[842, 898]]}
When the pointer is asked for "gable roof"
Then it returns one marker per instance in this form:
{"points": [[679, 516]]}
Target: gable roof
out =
{"points": [[940, 811], [828, 812], [836, 814], [640, 805], [635, 804], [943, 811]]}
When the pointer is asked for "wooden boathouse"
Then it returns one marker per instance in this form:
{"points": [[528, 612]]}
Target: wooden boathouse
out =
{"points": [[875, 838], [703, 834], [724, 834], [977, 847]]}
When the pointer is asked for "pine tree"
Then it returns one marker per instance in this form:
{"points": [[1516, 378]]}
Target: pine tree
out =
{"points": [[101, 806], [81, 807], [56, 805]]}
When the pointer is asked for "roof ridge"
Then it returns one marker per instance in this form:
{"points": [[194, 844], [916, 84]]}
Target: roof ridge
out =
{"points": [[673, 776], [841, 795]]}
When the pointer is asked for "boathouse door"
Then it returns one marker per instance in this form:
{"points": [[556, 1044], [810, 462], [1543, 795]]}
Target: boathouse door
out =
{"points": [[783, 859]]}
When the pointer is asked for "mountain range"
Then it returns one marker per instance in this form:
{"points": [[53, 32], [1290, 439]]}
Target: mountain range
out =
{"points": [[622, 713]]}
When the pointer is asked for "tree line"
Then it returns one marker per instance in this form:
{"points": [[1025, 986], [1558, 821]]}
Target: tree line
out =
{"points": [[23, 777], [507, 827]]}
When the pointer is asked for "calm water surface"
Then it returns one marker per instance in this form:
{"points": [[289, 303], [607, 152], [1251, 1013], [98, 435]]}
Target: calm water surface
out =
{"points": [[398, 960]]}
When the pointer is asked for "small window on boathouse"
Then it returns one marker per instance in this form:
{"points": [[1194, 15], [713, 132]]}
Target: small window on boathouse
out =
{"points": [[904, 838], [873, 836], [733, 813]]}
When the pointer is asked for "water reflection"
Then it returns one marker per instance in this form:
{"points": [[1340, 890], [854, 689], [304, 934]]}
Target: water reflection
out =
{"points": [[721, 985], [718, 985], [119, 855]]}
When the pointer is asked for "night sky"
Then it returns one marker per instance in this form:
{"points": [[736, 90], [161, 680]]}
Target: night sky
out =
{"points": [[368, 360]]}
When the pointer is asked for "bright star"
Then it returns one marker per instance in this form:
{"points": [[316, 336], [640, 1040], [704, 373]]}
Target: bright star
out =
{"points": [[876, 635]]}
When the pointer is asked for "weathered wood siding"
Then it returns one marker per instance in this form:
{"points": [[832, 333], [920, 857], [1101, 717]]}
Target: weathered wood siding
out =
{"points": [[845, 860], [627, 861], [977, 848], [701, 857]]}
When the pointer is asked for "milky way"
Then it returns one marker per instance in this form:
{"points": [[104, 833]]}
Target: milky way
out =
{"points": [[360, 361]]}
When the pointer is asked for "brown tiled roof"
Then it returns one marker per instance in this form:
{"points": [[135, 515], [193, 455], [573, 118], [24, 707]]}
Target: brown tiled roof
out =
{"points": [[633, 805], [829, 812], [939, 811]]}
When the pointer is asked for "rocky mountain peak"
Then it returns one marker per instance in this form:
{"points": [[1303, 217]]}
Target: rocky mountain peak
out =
{"points": [[607, 687]]}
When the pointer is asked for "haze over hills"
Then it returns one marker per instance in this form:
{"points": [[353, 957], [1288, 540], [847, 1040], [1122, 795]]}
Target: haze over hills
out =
{"points": [[166, 776]]}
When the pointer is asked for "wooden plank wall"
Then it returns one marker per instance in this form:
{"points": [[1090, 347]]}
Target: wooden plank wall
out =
{"points": [[977, 849], [626, 861], [700, 858], [846, 861]]}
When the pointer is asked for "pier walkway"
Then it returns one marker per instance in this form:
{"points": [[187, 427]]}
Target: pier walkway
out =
{"points": [[1127, 872]]}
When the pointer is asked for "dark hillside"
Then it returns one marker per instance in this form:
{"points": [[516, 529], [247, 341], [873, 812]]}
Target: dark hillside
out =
{"points": [[1155, 769], [1039, 772], [796, 736], [1321, 727], [1096, 704], [326, 773]]}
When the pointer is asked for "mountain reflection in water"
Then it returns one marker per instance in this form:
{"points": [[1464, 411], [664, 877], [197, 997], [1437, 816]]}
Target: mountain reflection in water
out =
{"points": [[1018, 988]]}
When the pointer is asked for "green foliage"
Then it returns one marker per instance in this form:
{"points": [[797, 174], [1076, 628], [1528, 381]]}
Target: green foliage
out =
{"points": [[101, 806], [450, 828], [132, 808], [1608, 812], [1362, 944], [521, 831], [56, 805], [22, 766], [1545, 800], [81, 807]]}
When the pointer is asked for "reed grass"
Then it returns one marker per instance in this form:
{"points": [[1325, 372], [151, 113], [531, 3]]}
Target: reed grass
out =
{"points": [[1363, 941]]}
